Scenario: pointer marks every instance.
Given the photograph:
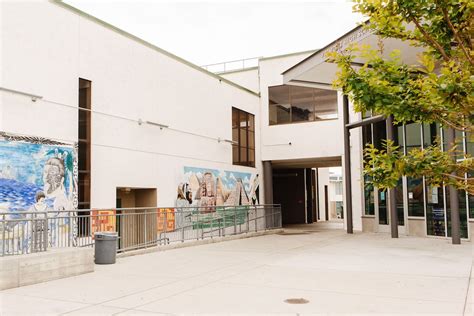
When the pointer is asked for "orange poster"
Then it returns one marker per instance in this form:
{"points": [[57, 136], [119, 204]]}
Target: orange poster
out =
{"points": [[167, 213], [103, 221]]}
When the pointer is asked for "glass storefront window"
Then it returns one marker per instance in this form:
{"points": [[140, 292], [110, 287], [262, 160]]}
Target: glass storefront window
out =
{"points": [[369, 198], [293, 104], [413, 136], [383, 210], [399, 201], [435, 220], [430, 134], [416, 204]]}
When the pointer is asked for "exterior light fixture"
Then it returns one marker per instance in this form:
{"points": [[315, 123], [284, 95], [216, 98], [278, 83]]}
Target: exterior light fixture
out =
{"points": [[227, 141], [161, 126], [33, 97]]}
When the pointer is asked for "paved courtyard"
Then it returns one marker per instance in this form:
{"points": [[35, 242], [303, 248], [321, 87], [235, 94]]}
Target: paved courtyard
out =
{"points": [[331, 271]]}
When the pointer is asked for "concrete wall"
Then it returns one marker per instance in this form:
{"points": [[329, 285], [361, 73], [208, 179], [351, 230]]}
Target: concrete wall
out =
{"points": [[46, 48], [368, 224], [323, 180], [308, 140], [40, 267], [416, 227], [248, 78]]}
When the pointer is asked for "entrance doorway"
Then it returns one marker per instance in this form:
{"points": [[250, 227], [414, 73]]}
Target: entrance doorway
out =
{"points": [[137, 224], [309, 190]]}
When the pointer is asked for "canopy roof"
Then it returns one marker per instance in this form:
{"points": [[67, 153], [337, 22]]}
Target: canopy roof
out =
{"points": [[315, 69]]}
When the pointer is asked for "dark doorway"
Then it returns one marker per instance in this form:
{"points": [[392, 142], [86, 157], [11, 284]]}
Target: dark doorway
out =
{"points": [[289, 191]]}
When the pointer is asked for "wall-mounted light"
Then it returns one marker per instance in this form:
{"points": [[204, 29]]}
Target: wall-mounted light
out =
{"points": [[161, 126], [33, 97], [227, 141], [283, 144]]}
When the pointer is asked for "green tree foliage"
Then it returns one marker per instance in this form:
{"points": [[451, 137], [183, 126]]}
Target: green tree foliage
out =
{"points": [[439, 88]]}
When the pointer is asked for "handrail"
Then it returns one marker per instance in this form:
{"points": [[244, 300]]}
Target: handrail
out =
{"points": [[136, 227]]}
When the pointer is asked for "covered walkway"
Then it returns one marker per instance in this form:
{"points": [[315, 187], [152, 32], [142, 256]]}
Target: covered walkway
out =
{"points": [[326, 270]]}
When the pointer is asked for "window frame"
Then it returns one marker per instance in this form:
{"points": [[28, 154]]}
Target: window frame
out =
{"points": [[241, 148]]}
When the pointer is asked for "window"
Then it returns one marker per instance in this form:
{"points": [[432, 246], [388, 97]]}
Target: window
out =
{"points": [[243, 136], [293, 104], [84, 155]]}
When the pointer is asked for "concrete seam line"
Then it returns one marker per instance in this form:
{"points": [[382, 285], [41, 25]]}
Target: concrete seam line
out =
{"points": [[467, 291]]}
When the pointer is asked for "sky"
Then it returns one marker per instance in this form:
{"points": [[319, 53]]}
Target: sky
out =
{"points": [[218, 31]]}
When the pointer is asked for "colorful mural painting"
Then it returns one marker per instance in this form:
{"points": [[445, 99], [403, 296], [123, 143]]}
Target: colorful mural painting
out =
{"points": [[38, 175], [207, 197]]}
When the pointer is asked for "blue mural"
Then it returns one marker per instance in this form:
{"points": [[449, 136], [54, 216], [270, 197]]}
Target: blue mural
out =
{"points": [[37, 175]]}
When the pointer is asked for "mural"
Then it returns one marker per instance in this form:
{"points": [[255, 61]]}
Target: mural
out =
{"points": [[205, 195], [38, 175]]}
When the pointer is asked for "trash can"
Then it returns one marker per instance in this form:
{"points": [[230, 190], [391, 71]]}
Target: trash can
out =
{"points": [[105, 247]]}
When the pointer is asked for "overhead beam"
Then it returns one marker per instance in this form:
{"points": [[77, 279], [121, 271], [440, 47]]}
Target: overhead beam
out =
{"points": [[366, 121]]}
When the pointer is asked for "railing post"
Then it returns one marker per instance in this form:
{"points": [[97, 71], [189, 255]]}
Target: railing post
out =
{"points": [[182, 233], [273, 217], [44, 226], [235, 220], [223, 220], [247, 213], [3, 233], [256, 218], [69, 233], [145, 237]]}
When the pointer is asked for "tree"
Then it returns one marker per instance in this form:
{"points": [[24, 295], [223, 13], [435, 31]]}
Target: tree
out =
{"points": [[439, 88]]}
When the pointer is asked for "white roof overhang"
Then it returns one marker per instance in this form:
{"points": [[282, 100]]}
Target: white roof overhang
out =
{"points": [[316, 70]]}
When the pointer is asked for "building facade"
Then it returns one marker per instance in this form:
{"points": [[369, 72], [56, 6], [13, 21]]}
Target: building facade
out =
{"points": [[95, 117]]}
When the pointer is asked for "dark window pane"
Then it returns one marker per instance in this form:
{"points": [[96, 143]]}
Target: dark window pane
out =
{"points": [[415, 197], [251, 123], [251, 140], [435, 220], [380, 134], [279, 114], [430, 134], [413, 136], [383, 210], [399, 202], [235, 154], [243, 138], [235, 118], [299, 104], [369, 197], [251, 158], [235, 134], [243, 155]]}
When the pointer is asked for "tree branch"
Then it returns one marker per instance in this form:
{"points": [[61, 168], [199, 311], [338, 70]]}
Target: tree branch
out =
{"points": [[430, 39], [456, 35]]}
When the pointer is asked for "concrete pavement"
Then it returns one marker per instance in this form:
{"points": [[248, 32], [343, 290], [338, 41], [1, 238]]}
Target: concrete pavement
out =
{"points": [[332, 271]]}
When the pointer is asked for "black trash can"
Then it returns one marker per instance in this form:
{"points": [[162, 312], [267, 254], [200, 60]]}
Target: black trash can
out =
{"points": [[105, 247]]}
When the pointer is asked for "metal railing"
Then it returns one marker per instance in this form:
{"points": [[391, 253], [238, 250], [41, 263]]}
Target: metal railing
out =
{"points": [[232, 65], [29, 232]]}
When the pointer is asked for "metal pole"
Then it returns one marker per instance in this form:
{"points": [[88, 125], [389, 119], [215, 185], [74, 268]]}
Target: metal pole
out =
{"points": [[392, 192], [347, 165], [453, 194]]}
